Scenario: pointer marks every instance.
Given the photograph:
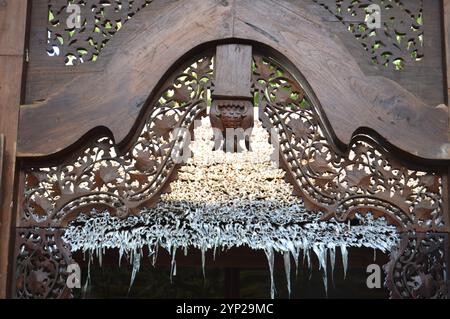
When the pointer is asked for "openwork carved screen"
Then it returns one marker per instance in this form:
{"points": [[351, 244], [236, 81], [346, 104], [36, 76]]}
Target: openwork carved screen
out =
{"points": [[366, 178], [99, 176], [418, 267], [99, 21], [399, 41], [41, 265]]}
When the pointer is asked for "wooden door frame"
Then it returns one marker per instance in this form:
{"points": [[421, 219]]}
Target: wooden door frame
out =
{"points": [[13, 17]]}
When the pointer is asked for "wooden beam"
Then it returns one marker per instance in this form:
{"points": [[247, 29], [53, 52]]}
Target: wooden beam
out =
{"points": [[13, 19]]}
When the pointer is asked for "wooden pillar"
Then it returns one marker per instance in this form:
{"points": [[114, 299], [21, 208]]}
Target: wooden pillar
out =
{"points": [[13, 20]]}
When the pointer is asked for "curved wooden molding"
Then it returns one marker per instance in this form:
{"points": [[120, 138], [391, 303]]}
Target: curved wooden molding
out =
{"points": [[162, 33]]}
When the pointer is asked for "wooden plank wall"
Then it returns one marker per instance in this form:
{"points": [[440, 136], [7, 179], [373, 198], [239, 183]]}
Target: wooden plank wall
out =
{"points": [[13, 21]]}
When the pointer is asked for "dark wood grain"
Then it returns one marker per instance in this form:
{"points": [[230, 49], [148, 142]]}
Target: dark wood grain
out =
{"points": [[13, 14], [350, 99]]}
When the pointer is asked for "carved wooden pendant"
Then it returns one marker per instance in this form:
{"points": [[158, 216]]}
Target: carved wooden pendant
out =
{"points": [[232, 106]]}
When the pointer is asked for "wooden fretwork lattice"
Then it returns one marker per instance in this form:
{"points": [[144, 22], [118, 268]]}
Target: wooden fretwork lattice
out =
{"points": [[99, 22], [400, 38]]}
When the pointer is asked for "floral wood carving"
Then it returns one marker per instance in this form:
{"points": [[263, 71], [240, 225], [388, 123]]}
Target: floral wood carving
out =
{"points": [[400, 39], [41, 264], [100, 20], [419, 267], [367, 178], [100, 177]]}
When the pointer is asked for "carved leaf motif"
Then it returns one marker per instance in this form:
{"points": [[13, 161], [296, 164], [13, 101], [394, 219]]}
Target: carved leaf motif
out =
{"points": [[56, 189], [323, 181], [181, 94], [108, 174], [423, 210], [320, 164], [141, 178], [431, 182], [264, 71], [283, 95], [407, 192], [203, 67], [41, 205], [300, 129], [358, 177], [104, 176], [144, 163], [38, 280], [164, 126]]}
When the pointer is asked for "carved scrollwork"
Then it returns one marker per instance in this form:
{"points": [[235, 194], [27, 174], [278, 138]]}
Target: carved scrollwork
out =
{"points": [[101, 177], [419, 267], [366, 178], [399, 40], [41, 264], [99, 21]]}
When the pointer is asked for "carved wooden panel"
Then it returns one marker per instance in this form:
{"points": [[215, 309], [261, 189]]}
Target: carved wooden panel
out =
{"points": [[365, 178], [340, 183], [399, 41], [41, 264], [100, 20], [419, 267], [135, 61], [100, 176]]}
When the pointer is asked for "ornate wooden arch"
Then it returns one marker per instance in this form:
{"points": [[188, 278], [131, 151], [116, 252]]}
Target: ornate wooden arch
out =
{"points": [[161, 36], [331, 129]]}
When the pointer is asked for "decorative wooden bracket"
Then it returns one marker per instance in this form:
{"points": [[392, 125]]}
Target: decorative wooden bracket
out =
{"points": [[232, 106]]}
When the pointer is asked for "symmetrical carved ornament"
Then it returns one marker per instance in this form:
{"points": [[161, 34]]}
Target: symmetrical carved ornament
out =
{"points": [[419, 267], [41, 264], [99, 21], [364, 178], [102, 177], [398, 42]]}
